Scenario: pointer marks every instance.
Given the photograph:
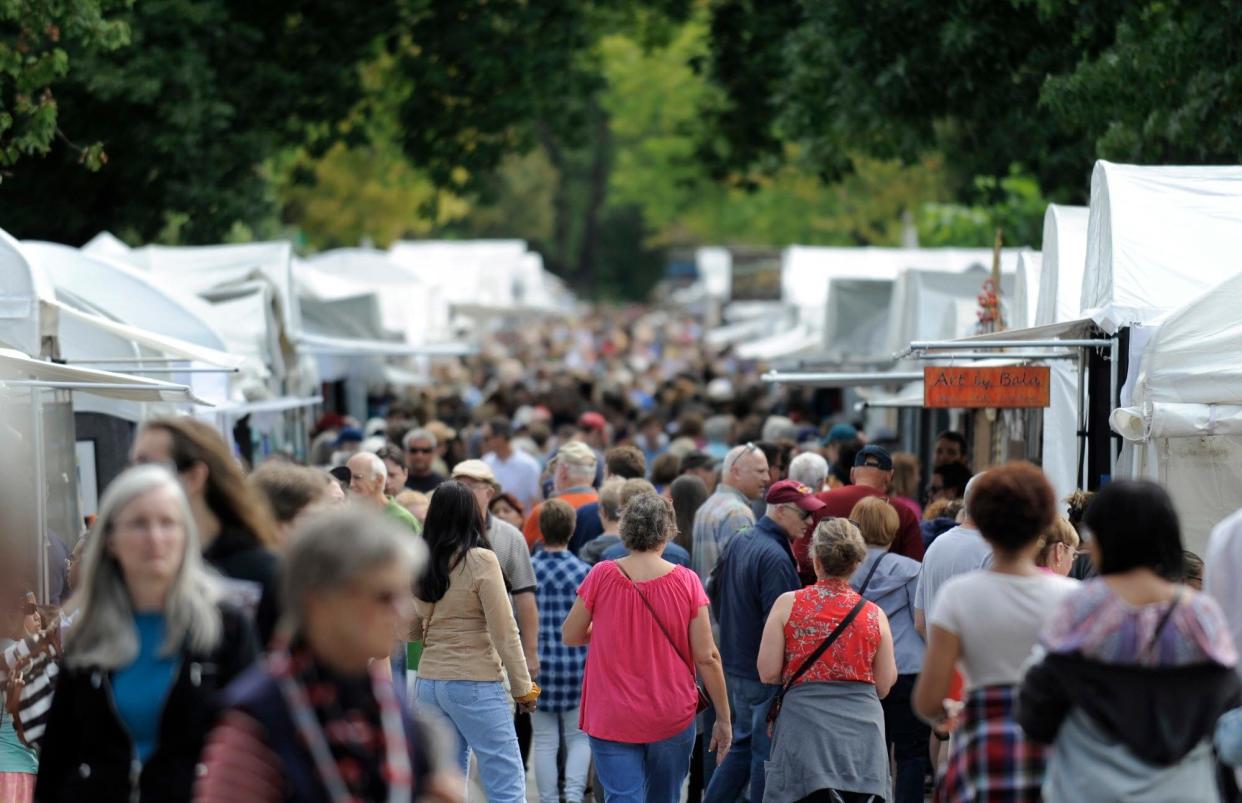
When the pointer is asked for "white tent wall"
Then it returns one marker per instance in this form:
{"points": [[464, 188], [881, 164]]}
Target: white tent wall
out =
{"points": [[1158, 237], [1203, 475], [938, 305], [856, 321], [407, 304], [1060, 428], [1064, 257], [1026, 290], [478, 272], [715, 269]]}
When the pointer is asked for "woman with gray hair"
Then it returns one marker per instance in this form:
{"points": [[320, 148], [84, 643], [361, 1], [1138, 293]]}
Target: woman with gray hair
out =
{"points": [[832, 652], [320, 721], [647, 625], [151, 647]]}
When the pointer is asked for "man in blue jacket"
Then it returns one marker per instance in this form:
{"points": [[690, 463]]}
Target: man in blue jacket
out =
{"points": [[756, 568]]}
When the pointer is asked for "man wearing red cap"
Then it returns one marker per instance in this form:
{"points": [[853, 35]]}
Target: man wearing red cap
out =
{"points": [[756, 567]]}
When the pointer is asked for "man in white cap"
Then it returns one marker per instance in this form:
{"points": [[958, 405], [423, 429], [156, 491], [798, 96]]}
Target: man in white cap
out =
{"points": [[573, 472]]}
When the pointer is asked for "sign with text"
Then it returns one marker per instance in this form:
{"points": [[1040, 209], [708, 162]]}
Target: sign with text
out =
{"points": [[1001, 387]]}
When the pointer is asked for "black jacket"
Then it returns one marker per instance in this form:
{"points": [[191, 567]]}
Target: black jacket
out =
{"points": [[88, 754], [236, 555], [1159, 714]]}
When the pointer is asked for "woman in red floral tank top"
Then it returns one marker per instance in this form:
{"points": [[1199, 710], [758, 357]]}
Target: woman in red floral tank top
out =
{"points": [[829, 739]]}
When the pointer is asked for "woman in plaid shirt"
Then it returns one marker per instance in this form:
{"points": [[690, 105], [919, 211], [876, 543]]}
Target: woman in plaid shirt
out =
{"points": [[558, 573]]}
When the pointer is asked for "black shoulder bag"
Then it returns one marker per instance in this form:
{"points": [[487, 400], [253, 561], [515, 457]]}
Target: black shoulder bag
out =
{"points": [[705, 702], [775, 710]]}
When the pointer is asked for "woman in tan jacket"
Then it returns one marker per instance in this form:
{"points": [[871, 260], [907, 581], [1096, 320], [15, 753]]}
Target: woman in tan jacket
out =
{"points": [[470, 642]]}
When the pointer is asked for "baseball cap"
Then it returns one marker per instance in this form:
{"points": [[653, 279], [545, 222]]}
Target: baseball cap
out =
{"points": [[792, 492], [475, 470], [873, 456], [349, 435], [593, 421], [840, 433]]}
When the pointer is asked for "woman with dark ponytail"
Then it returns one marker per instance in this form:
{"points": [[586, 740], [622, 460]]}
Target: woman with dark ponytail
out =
{"points": [[470, 641]]}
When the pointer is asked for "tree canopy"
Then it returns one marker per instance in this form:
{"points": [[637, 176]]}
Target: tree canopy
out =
{"points": [[603, 133]]}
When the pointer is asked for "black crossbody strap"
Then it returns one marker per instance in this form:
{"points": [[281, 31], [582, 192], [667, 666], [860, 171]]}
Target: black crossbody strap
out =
{"points": [[659, 624], [822, 648], [1164, 620], [867, 581]]}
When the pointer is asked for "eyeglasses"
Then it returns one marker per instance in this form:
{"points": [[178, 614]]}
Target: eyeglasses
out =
{"points": [[419, 450]]}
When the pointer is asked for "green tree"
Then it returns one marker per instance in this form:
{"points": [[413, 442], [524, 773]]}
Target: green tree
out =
{"points": [[34, 55], [189, 113]]}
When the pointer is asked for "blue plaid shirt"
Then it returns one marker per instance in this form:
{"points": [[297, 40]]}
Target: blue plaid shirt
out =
{"points": [[557, 577]]}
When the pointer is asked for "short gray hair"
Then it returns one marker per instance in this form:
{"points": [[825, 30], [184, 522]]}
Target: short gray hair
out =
{"points": [[379, 471], [646, 522], [719, 428], [778, 427], [334, 548], [419, 435], [810, 469], [104, 634]]}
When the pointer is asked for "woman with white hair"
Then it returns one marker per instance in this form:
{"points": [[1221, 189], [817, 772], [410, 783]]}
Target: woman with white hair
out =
{"points": [[151, 646], [321, 721]]}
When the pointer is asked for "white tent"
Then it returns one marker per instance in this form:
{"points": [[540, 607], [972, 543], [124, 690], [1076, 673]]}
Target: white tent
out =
{"points": [[857, 319], [1185, 416], [1026, 289], [938, 305], [407, 304], [19, 298], [715, 268], [1157, 238], [1064, 257], [468, 272]]}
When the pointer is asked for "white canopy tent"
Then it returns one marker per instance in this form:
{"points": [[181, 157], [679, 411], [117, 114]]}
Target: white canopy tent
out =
{"points": [[857, 319], [467, 272], [1063, 260], [19, 298], [1157, 238], [807, 275], [1184, 420], [939, 305], [715, 268], [1026, 290], [408, 305]]}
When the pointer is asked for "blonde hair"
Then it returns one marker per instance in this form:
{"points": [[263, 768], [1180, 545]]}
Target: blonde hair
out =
{"points": [[104, 635], [877, 520], [1059, 532], [838, 546]]}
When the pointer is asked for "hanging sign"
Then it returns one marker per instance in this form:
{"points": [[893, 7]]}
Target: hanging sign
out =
{"points": [[1001, 387]]}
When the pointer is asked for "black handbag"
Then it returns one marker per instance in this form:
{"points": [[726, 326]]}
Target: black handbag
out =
{"points": [[705, 702]]}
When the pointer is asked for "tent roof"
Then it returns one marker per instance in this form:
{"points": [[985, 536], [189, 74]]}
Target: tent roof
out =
{"points": [[19, 297], [169, 346], [857, 318], [1194, 355], [1064, 257], [125, 294], [1158, 237]]}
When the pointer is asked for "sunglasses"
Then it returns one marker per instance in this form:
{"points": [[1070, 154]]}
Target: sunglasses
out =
{"points": [[418, 450]]}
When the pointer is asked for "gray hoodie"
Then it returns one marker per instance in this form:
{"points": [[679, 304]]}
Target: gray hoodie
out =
{"points": [[892, 587]]}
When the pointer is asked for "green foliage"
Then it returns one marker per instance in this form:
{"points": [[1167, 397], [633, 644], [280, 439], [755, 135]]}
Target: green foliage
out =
{"points": [[34, 56], [189, 113], [1016, 208]]}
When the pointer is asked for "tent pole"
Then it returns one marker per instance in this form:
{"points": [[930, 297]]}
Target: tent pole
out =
{"points": [[40, 475], [1081, 436], [1114, 369]]}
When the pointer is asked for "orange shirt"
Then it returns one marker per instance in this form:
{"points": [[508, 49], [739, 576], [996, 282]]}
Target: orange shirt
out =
{"points": [[576, 499]]}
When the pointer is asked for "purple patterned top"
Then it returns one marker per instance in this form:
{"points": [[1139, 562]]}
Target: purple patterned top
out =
{"points": [[1100, 625]]}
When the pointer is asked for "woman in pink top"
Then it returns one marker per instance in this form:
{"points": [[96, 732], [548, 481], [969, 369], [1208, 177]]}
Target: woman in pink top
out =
{"points": [[638, 694]]}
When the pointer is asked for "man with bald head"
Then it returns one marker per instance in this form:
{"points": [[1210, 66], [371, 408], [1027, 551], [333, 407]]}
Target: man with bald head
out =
{"points": [[743, 479], [367, 477]]}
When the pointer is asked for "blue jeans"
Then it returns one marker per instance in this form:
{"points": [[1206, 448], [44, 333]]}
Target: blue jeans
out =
{"points": [[750, 701], [653, 772], [909, 737], [481, 714]]}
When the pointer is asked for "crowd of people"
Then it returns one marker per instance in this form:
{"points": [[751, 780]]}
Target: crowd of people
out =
{"points": [[654, 589]]}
